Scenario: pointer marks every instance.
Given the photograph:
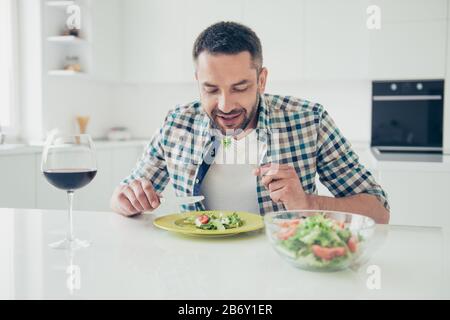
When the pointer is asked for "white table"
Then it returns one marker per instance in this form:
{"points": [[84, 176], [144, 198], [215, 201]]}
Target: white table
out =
{"points": [[130, 258]]}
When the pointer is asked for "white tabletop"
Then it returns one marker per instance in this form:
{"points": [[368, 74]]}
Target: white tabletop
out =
{"points": [[129, 258]]}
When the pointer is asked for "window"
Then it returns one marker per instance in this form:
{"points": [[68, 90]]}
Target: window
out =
{"points": [[8, 88]]}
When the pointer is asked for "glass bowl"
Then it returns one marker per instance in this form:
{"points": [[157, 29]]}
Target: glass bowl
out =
{"points": [[320, 240]]}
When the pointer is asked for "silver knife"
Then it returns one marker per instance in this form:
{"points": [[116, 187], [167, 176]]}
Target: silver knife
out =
{"points": [[179, 201], [182, 200]]}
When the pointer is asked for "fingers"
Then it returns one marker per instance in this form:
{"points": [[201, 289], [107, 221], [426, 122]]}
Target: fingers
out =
{"points": [[126, 208], [271, 168], [282, 174], [151, 194], [264, 168], [276, 185], [137, 197], [129, 194], [141, 195], [278, 195]]}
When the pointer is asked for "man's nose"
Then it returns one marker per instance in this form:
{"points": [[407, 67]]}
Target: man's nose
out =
{"points": [[225, 104]]}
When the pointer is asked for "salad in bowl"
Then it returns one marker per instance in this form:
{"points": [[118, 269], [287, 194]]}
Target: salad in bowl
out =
{"points": [[320, 240]]}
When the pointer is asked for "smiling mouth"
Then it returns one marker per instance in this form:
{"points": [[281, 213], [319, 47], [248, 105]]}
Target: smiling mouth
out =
{"points": [[229, 120], [229, 116]]}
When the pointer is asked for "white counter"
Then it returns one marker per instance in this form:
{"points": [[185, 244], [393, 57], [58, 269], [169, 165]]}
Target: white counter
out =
{"points": [[12, 149], [130, 258], [362, 148]]}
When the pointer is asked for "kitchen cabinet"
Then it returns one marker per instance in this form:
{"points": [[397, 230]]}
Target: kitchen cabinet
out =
{"points": [[411, 10], [24, 186], [336, 42], [112, 164], [411, 50], [7, 232], [302, 39], [280, 28], [412, 40], [18, 176], [417, 197]]}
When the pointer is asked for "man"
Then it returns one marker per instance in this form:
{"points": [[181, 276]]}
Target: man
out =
{"points": [[297, 138]]}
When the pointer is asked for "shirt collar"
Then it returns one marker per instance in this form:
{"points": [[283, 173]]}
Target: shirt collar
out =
{"points": [[263, 116]]}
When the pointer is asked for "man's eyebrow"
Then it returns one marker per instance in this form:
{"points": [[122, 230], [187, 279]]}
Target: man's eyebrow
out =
{"points": [[207, 84], [245, 81]]}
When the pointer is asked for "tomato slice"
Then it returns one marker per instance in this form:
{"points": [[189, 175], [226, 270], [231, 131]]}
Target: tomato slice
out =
{"points": [[203, 219], [352, 244], [328, 253], [286, 233], [289, 223]]}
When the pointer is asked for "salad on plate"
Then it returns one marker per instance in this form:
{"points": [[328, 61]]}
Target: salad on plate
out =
{"points": [[214, 221]]}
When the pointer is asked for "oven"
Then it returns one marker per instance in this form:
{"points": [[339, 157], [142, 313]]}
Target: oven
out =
{"points": [[407, 116]]}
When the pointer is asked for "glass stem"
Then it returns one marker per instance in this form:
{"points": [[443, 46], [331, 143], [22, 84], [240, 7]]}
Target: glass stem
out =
{"points": [[70, 230]]}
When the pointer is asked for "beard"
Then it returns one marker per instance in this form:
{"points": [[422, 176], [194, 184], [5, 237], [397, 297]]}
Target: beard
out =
{"points": [[237, 129]]}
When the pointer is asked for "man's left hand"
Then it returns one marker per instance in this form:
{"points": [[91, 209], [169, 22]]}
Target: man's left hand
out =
{"points": [[284, 185]]}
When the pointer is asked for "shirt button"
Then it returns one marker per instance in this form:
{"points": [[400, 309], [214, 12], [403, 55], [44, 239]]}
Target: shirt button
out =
{"points": [[197, 181]]}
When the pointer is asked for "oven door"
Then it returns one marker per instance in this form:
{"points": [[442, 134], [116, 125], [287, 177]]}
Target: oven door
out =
{"points": [[407, 122]]}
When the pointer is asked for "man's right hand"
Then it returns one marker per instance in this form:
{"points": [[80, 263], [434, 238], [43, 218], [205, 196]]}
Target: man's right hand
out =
{"points": [[135, 198]]}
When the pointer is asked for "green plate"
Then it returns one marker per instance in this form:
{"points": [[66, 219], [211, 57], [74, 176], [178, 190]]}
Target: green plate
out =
{"points": [[174, 223]]}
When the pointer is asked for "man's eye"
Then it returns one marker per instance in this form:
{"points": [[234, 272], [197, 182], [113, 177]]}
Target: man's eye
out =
{"points": [[211, 91], [240, 89]]}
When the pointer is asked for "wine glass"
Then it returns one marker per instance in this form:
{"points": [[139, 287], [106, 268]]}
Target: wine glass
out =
{"points": [[68, 163]]}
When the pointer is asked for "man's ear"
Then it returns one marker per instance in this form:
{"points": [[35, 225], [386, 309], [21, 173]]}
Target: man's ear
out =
{"points": [[262, 80]]}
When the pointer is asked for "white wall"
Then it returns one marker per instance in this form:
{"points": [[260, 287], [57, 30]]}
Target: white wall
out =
{"points": [[142, 108], [67, 98]]}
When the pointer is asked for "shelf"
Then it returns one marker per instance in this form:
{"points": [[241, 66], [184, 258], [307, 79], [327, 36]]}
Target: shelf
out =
{"points": [[67, 39], [66, 73], [59, 3]]}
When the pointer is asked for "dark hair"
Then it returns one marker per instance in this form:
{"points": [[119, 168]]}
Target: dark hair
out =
{"points": [[229, 38]]}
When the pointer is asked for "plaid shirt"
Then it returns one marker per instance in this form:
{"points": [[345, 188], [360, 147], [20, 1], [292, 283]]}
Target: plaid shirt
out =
{"points": [[293, 131]]}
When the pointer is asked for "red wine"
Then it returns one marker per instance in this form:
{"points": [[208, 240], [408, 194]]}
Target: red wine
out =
{"points": [[70, 179]]}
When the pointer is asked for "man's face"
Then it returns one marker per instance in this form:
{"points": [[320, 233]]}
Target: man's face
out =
{"points": [[229, 89]]}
